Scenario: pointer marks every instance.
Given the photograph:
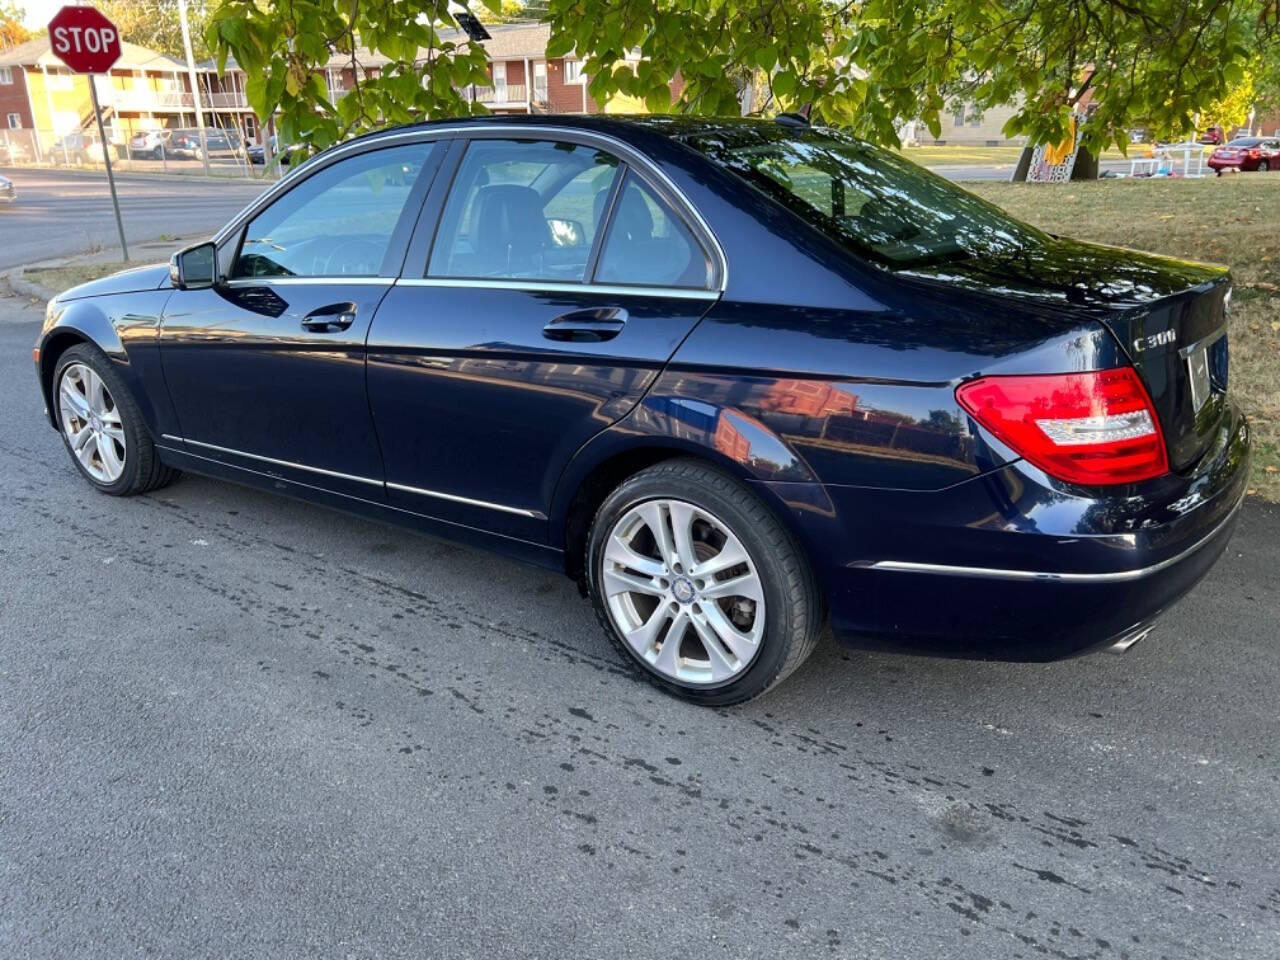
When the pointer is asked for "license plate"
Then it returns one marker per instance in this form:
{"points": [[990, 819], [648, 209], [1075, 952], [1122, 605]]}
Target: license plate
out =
{"points": [[1198, 370]]}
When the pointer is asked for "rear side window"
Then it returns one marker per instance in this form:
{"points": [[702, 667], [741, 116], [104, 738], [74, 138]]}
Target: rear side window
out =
{"points": [[523, 209], [880, 205], [337, 223], [648, 245]]}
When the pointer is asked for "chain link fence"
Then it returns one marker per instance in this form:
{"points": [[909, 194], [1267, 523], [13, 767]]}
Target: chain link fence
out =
{"points": [[169, 150]]}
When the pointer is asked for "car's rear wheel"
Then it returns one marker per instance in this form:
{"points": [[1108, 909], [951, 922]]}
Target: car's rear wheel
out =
{"points": [[1263, 166], [102, 427], [700, 585]]}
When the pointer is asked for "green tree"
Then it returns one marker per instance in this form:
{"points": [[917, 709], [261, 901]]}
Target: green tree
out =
{"points": [[155, 24], [12, 32], [511, 11], [1232, 109], [864, 64], [284, 48], [869, 64]]}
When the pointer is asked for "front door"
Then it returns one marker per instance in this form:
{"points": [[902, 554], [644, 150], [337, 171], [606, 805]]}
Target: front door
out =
{"points": [[559, 284], [266, 370]]}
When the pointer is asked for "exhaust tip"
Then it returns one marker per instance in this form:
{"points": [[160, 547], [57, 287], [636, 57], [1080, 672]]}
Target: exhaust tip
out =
{"points": [[1128, 640]]}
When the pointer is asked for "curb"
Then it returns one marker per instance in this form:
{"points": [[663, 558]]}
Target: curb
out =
{"points": [[17, 286], [156, 176]]}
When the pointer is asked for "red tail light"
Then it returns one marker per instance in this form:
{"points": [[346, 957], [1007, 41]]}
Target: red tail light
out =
{"points": [[1089, 428], [1254, 154]]}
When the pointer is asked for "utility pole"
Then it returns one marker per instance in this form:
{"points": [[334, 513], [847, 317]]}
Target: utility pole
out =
{"points": [[195, 83]]}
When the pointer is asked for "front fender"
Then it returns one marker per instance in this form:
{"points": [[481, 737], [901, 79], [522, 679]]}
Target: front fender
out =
{"points": [[126, 328]]}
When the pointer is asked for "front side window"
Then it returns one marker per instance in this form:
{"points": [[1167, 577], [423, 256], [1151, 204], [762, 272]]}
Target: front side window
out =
{"points": [[338, 222], [523, 209], [648, 245], [880, 205]]}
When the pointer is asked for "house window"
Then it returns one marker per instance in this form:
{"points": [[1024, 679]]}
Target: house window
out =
{"points": [[573, 71], [15, 121], [500, 81], [6, 75], [957, 118], [250, 128]]}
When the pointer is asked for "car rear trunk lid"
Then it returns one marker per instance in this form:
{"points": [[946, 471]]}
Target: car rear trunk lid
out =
{"points": [[1169, 317]]}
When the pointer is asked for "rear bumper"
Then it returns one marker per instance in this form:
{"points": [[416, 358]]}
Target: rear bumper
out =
{"points": [[1013, 565]]}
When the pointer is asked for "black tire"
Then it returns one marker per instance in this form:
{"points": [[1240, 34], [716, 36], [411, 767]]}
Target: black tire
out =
{"points": [[1263, 166], [143, 470], [793, 601]]}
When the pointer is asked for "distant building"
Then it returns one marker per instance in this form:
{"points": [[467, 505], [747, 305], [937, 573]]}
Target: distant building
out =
{"points": [[144, 90], [965, 126]]}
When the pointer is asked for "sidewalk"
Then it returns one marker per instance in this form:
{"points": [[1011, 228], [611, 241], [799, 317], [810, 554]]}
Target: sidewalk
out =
{"points": [[45, 279], [161, 176]]}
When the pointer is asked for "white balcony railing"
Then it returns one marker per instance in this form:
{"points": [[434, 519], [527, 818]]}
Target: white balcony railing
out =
{"points": [[227, 100], [510, 93], [145, 100], [158, 100]]}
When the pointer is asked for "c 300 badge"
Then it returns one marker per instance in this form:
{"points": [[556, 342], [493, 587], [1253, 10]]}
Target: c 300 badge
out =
{"points": [[1163, 338]]}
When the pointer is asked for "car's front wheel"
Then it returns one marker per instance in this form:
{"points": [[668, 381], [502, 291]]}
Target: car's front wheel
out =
{"points": [[700, 585], [102, 426]]}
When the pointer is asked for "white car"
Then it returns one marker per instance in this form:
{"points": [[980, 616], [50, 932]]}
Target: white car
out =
{"points": [[151, 143], [7, 193]]}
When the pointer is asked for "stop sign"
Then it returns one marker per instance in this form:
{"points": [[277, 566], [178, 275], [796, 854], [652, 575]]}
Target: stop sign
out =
{"points": [[84, 39]]}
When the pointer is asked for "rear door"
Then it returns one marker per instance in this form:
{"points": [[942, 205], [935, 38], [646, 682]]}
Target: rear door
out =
{"points": [[559, 280]]}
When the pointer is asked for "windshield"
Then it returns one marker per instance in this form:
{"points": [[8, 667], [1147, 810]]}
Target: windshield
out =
{"points": [[884, 207]]}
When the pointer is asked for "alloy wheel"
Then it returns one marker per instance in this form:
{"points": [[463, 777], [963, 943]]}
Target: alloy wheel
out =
{"points": [[91, 423], [683, 592]]}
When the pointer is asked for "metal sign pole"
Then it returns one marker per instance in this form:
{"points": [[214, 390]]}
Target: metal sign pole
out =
{"points": [[106, 159]]}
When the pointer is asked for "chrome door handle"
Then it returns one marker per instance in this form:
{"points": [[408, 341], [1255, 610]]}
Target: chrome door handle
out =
{"points": [[334, 317], [587, 326]]}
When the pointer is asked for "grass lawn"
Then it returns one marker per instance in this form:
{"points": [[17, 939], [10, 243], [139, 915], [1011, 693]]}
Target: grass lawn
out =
{"points": [[67, 276], [1233, 220]]}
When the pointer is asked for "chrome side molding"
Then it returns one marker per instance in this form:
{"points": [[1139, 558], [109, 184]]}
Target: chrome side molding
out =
{"points": [[995, 573], [436, 494]]}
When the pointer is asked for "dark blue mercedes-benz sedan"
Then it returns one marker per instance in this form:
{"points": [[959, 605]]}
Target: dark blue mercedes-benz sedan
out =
{"points": [[740, 378]]}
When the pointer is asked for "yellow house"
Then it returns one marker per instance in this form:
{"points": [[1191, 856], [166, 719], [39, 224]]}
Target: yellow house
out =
{"points": [[145, 90]]}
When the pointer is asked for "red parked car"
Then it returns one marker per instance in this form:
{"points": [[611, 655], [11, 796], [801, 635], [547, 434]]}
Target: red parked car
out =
{"points": [[1247, 153], [1212, 136]]}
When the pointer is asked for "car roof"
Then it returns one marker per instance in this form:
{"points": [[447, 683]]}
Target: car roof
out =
{"points": [[622, 126]]}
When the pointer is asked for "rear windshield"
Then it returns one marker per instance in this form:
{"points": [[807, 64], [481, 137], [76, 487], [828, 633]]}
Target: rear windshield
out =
{"points": [[1245, 142], [882, 206]]}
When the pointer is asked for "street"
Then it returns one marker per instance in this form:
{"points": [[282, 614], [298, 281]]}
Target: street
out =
{"points": [[1003, 171], [236, 725], [60, 212]]}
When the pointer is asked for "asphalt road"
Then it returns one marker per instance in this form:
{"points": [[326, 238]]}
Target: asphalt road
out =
{"points": [[232, 725], [1003, 171], [62, 212]]}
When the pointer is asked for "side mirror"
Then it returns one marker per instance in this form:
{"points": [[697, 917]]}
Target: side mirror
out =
{"points": [[195, 268], [566, 233]]}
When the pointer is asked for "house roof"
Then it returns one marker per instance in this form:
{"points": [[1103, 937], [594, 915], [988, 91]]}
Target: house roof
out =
{"points": [[39, 53]]}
